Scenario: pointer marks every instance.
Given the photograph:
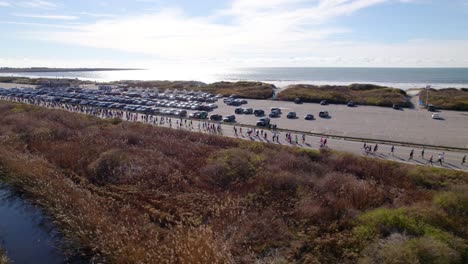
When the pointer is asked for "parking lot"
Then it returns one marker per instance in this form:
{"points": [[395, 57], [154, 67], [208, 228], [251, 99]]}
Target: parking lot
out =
{"points": [[407, 125], [368, 122]]}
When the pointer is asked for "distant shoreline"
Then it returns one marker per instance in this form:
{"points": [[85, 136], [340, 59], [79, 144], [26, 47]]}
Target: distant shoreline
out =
{"points": [[20, 70]]}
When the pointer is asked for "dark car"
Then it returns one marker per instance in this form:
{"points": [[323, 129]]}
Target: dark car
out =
{"points": [[323, 102], [247, 111], [230, 118], [323, 114], [259, 112], [263, 122], [309, 117], [351, 104], [298, 101], [216, 117], [274, 114], [292, 115], [396, 107], [431, 108], [239, 110], [276, 110]]}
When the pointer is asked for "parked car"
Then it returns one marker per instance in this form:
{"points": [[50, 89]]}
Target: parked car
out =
{"points": [[274, 114], [396, 107], [230, 118], [291, 115], [298, 101], [239, 110], [259, 112], [323, 102], [263, 122], [276, 110], [247, 111], [216, 117], [309, 117], [431, 108], [436, 116], [324, 114], [351, 104]]}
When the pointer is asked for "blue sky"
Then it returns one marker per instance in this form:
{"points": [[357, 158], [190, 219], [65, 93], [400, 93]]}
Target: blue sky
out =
{"points": [[234, 33]]}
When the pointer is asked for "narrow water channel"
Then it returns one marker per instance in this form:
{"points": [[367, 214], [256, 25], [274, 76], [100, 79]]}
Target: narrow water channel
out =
{"points": [[26, 234]]}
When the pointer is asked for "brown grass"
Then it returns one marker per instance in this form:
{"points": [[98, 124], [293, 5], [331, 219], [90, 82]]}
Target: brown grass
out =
{"points": [[132, 193], [3, 258], [447, 99]]}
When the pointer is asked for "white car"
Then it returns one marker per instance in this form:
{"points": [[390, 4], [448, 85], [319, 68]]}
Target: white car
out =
{"points": [[436, 116]]}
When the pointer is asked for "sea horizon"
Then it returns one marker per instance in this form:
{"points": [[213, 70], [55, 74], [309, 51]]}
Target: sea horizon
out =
{"points": [[403, 78]]}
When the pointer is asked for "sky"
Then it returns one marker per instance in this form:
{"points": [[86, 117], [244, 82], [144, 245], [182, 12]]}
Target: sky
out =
{"points": [[234, 33]]}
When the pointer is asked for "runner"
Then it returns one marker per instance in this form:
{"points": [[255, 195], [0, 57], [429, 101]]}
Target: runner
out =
{"points": [[422, 153], [463, 160], [431, 160], [411, 154], [392, 150]]}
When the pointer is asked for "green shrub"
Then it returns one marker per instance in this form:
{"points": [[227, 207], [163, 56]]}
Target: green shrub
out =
{"points": [[454, 203]]}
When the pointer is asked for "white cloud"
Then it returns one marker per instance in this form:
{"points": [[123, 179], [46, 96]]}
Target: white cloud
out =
{"points": [[4, 4], [96, 14], [258, 33], [53, 17], [39, 4], [42, 25]]}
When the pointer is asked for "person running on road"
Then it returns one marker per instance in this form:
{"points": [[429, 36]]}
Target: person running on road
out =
{"points": [[392, 150], [463, 160], [431, 160], [422, 153], [440, 159], [411, 154], [376, 147]]}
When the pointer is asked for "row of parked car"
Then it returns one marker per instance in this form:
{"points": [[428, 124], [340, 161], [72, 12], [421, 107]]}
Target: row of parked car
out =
{"points": [[139, 102], [276, 112]]}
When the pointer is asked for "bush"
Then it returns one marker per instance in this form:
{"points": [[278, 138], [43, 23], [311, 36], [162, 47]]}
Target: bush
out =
{"points": [[399, 248], [109, 167], [454, 202], [364, 94], [228, 167]]}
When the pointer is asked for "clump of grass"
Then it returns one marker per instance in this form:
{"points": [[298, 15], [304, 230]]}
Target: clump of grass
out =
{"points": [[447, 99], [3, 257], [399, 248], [363, 94]]}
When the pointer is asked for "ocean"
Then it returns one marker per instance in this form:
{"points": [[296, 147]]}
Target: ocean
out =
{"points": [[404, 78]]}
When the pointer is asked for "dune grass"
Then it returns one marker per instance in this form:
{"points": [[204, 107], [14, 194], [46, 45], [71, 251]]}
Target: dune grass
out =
{"points": [[447, 99], [3, 257], [132, 193], [363, 94]]}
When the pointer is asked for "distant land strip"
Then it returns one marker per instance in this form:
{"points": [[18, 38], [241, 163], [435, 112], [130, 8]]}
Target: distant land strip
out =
{"points": [[44, 69]]}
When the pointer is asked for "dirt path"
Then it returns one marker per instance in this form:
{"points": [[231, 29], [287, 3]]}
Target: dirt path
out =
{"points": [[414, 98]]}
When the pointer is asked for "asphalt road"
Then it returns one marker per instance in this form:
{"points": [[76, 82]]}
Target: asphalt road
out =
{"points": [[453, 159], [370, 122]]}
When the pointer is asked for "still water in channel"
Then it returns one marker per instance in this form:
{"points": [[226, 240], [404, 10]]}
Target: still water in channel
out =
{"points": [[26, 234]]}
